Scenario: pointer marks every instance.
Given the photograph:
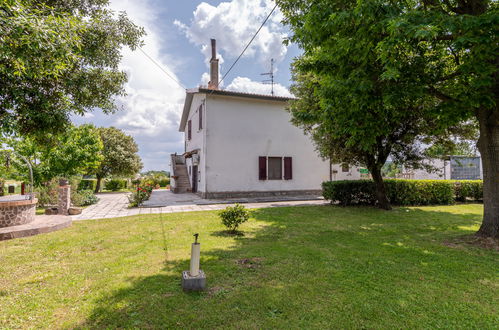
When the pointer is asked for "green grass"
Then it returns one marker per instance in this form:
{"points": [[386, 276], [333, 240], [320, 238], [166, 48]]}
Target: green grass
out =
{"points": [[296, 267]]}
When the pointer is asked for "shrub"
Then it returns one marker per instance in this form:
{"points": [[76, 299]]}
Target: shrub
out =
{"points": [[468, 189], [87, 184], [115, 184], [233, 216], [47, 194], [399, 192], [83, 198], [140, 195], [164, 182]]}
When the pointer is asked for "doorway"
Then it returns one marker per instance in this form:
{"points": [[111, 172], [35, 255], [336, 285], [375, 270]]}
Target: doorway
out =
{"points": [[194, 178]]}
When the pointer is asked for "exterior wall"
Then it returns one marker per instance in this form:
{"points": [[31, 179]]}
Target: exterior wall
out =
{"points": [[337, 173], [197, 141], [239, 130], [441, 172], [15, 213]]}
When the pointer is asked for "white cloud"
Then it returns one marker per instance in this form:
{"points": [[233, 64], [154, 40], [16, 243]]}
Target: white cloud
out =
{"points": [[151, 110], [233, 24], [243, 84]]}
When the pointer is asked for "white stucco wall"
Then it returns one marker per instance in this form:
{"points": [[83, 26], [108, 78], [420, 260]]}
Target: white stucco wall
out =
{"points": [[337, 173], [197, 140], [239, 130]]}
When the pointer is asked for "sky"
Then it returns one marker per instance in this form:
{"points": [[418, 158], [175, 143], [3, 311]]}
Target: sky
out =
{"points": [[178, 40]]}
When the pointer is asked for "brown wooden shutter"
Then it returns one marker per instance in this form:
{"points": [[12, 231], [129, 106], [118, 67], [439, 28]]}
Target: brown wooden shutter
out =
{"points": [[262, 168], [288, 168], [189, 130], [200, 116]]}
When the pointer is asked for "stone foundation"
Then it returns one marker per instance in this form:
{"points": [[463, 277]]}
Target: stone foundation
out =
{"points": [[251, 194], [17, 212]]}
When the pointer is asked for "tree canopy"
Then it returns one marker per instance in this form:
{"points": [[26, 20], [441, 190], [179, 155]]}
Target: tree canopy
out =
{"points": [[353, 111], [77, 151], [120, 154], [59, 58]]}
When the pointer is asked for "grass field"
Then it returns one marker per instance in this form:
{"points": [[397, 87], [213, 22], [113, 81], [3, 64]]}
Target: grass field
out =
{"points": [[295, 267]]}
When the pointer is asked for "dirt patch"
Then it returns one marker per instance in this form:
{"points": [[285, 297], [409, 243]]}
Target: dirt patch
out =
{"points": [[250, 262], [217, 291], [487, 243]]}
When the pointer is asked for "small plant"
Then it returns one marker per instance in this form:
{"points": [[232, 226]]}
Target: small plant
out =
{"points": [[140, 195], [233, 216], [83, 198]]}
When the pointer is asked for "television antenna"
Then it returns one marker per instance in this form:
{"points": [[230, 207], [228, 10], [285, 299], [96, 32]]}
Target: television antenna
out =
{"points": [[271, 76]]}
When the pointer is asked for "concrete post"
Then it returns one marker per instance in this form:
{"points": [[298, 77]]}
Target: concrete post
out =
{"points": [[64, 199]]}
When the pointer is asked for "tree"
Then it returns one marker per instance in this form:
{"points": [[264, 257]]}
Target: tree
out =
{"points": [[74, 152], [120, 155], [345, 99], [59, 58], [457, 43], [447, 50]]}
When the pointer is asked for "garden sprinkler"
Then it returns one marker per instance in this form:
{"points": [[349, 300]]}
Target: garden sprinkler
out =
{"points": [[194, 279]]}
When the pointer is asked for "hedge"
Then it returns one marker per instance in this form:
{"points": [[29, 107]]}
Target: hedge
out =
{"points": [[87, 184], [468, 189], [115, 184], [403, 192]]}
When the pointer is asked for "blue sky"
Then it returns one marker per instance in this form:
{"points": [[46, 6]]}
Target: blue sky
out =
{"points": [[178, 38]]}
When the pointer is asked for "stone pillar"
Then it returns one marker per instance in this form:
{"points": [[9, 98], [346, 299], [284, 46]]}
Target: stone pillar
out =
{"points": [[64, 199]]}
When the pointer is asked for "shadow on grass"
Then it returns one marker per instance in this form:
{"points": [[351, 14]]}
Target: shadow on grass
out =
{"points": [[227, 233], [320, 267]]}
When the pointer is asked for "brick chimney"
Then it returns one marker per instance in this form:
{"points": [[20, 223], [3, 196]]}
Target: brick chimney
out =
{"points": [[213, 84]]}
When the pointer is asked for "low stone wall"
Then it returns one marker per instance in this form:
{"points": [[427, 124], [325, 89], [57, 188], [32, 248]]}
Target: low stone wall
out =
{"points": [[251, 194], [14, 213]]}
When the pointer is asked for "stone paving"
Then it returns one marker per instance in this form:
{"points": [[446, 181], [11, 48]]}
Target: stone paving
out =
{"points": [[113, 205]]}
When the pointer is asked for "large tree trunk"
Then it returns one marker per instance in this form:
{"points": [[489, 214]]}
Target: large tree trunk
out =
{"points": [[488, 145], [383, 202], [98, 185]]}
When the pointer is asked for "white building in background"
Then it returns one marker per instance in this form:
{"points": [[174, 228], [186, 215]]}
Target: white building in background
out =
{"points": [[240, 144]]}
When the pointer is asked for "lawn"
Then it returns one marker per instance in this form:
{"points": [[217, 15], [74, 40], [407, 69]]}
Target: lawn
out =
{"points": [[295, 267]]}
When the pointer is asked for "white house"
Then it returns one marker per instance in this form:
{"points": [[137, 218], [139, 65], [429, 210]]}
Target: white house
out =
{"points": [[240, 144]]}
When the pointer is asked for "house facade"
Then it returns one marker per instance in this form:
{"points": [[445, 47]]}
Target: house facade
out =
{"points": [[240, 144]]}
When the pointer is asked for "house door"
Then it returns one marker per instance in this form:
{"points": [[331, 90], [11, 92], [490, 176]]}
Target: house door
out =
{"points": [[194, 178]]}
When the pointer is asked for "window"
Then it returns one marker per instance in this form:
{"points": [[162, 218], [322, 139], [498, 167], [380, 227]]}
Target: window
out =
{"points": [[189, 130], [270, 168], [275, 168], [200, 113], [345, 167]]}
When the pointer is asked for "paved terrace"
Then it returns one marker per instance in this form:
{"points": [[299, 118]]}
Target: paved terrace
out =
{"points": [[113, 205]]}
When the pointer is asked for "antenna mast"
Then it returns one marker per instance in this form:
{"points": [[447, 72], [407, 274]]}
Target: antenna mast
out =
{"points": [[271, 75]]}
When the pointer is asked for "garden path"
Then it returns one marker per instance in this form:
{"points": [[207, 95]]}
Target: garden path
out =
{"points": [[113, 205]]}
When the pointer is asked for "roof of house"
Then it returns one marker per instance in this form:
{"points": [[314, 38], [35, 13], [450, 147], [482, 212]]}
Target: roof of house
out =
{"points": [[201, 90]]}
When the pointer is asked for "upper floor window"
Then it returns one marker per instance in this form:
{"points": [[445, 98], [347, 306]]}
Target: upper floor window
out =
{"points": [[345, 167], [189, 130], [200, 114]]}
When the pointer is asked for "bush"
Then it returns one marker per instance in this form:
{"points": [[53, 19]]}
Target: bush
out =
{"points": [[399, 192], [468, 189], [83, 198], [233, 216], [140, 195], [164, 182], [47, 194], [87, 184], [115, 184]]}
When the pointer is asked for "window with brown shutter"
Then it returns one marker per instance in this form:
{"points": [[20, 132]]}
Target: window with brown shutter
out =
{"points": [[262, 168], [200, 117], [288, 168], [189, 130], [274, 168]]}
